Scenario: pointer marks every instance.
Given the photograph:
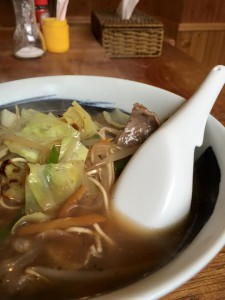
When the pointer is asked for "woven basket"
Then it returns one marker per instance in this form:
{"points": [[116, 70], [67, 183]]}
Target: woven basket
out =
{"points": [[140, 36]]}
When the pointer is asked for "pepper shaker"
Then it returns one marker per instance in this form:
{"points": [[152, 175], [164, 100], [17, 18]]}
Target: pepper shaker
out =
{"points": [[41, 11]]}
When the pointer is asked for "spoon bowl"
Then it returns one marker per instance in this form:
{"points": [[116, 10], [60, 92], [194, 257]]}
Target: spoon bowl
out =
{"points": [[165, 162]]}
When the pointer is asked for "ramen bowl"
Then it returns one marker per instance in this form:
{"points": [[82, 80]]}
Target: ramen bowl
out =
{"points": [[45, 93]]}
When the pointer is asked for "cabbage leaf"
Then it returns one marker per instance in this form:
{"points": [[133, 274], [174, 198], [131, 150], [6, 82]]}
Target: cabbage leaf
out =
{"points": [[47, 186], [42, 129], [72, 149], [30, 154], [77, 117], [117, 118], [51, 181]]}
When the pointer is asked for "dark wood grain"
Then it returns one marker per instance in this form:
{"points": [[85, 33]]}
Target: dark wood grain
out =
{"points": [[173, 71]]}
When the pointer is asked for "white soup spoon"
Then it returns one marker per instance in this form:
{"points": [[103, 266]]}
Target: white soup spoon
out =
{"points": [[155, 188]]}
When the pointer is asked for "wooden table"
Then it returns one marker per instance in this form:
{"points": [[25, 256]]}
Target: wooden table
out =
{"points": [[173, 71]]}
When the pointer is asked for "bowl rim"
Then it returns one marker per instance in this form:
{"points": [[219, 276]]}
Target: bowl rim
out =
{"points": [[166, 279]]}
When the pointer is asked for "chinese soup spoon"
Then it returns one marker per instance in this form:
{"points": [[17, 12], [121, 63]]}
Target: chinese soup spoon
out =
{"points": [[155, 188]]}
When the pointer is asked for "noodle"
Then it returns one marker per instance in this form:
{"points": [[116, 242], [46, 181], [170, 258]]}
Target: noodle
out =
{"points": [[103, 234], [104, 130], [104, 194]]}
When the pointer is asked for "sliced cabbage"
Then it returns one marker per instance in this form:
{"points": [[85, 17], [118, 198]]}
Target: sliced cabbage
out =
{"points": [[72, 149], [31, 155], [47, 186], [3, 151], [8, 118], [31, 205], [44, 128], [29, 114], [81, 120], [116, 118]]}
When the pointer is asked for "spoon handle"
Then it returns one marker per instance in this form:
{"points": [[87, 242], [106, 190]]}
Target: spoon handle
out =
{"points": [[194, 113]]}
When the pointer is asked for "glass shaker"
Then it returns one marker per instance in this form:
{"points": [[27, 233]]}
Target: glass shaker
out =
{"points": [[28, 40]]}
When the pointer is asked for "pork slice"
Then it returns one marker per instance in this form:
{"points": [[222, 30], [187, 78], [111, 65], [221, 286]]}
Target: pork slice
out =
{"points": [[141, 124]]}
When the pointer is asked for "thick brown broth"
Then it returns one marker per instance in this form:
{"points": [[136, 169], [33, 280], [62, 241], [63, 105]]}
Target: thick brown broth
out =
{"points": [[120, 264], [134, 253]]}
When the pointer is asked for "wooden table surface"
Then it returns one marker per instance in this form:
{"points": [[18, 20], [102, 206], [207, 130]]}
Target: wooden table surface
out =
{"points": [[173, 71]]}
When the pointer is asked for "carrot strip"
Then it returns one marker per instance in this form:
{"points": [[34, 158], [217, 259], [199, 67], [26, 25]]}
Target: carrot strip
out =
{"points": [[62, 223], [71, 201]]}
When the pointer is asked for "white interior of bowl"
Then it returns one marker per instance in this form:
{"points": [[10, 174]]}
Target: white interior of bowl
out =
{"points": [[122, 94]]}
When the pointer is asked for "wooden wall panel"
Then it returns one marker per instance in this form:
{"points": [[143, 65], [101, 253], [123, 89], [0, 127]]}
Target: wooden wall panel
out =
{"points": [[192, 11], [197, 27], [215, 49], [171, 9], [222, 52], [203, 11], [7, 17], [77, 8], [193, 43], [84, 7], [207, 47]]}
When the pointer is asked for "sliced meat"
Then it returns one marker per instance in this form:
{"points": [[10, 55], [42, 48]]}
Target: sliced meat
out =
{"points": [[141, 125]]}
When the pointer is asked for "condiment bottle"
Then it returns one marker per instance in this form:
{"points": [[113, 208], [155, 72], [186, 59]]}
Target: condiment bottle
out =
{"points": [[41, 10], [28, 40], [56, 34]]}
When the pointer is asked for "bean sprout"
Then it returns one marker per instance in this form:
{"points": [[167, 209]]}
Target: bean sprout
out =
{"points": [[103, 234], [103, 191]]}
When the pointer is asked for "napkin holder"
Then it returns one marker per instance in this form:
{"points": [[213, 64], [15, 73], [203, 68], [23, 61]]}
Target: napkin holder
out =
{"points": [[140, 36]]}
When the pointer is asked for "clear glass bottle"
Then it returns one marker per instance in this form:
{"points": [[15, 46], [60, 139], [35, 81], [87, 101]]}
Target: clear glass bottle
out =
{"points": [[28, 41]]}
